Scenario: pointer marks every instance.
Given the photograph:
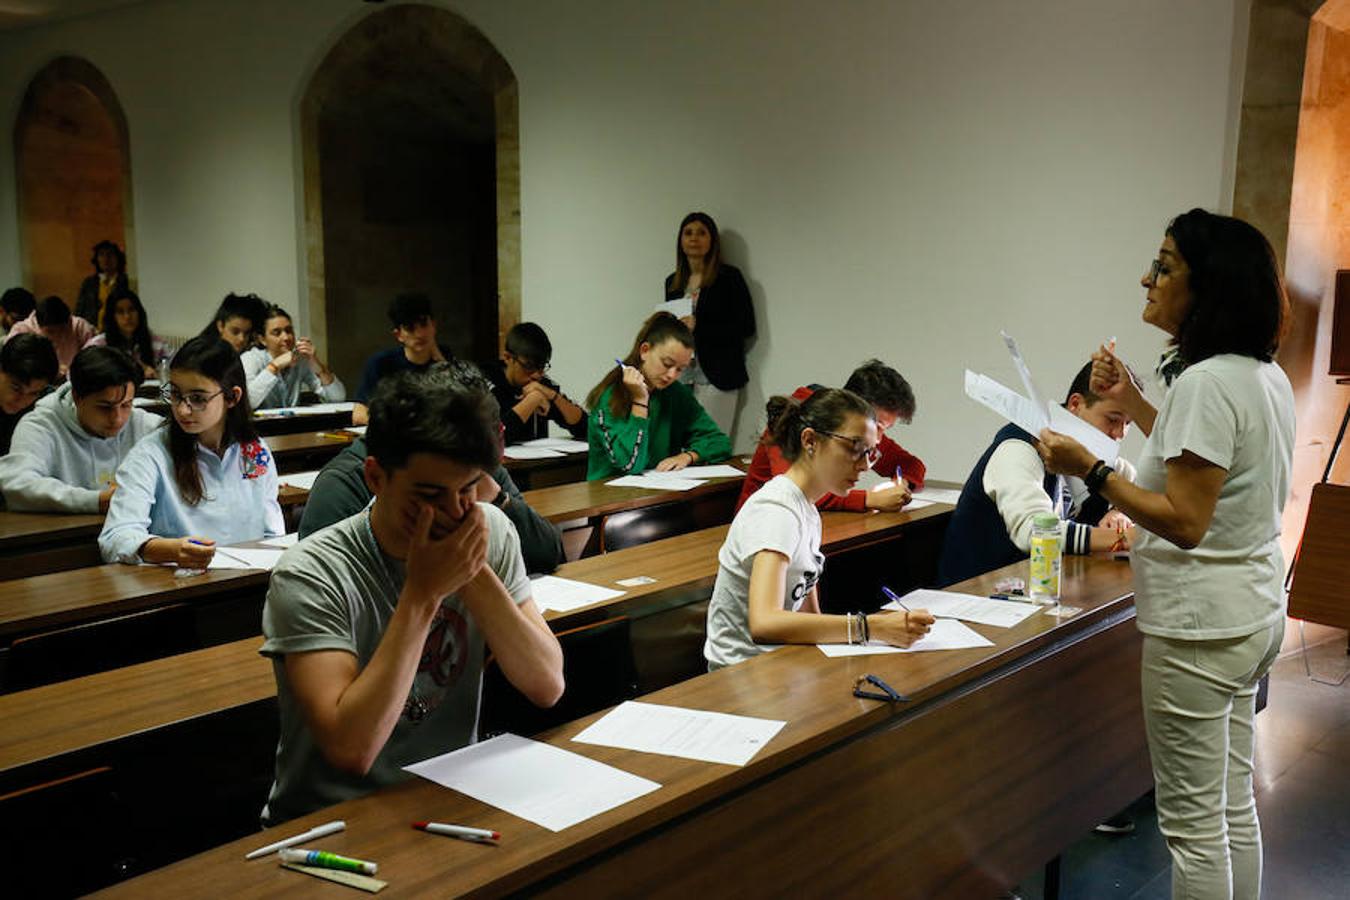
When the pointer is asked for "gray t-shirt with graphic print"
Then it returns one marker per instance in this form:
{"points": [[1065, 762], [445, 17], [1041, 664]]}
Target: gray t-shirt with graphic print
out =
{"points": [[336, 590]]}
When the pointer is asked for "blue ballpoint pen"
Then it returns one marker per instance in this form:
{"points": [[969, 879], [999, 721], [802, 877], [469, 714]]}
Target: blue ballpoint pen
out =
{"points": [[893, 597]]}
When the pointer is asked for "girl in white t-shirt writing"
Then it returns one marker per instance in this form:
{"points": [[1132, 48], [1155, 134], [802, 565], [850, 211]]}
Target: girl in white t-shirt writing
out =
{"points": [[770, 564]]}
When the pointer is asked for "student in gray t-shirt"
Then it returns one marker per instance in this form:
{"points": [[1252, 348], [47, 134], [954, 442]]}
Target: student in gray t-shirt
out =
{"points": [[768, 566], [377, 627]]}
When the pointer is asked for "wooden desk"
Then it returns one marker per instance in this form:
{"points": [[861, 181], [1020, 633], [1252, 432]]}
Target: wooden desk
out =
{"points": [[36, 543], [1001, 757], [1319, 592], [594, 500], [270, 426], [307, 451]]}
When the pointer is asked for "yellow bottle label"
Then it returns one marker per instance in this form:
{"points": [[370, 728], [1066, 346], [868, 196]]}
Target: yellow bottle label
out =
{"points": [[1045, 564]]}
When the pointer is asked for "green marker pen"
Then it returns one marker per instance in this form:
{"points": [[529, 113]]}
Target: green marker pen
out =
{"points": [[325, 860]]}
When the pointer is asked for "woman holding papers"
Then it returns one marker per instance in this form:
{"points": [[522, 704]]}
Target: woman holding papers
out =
{"points": [[205, 477], [643, 417], [721, 317], [1213, 478], [771, 561], [283, 367]]}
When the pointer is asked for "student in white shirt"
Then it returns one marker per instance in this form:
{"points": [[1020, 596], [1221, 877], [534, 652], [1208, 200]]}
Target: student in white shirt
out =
{"points": [[205, 479], [64, 452], [284, 367], [769, 565], [1213, 478]]}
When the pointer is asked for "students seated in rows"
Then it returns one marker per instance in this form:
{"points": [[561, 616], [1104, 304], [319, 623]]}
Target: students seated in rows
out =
{"points": [[65, 453], [126, 328], [108, 280], [283, 367], [770, 563], [52, 319], [414, 327], [341, 489], [378, 626], [642, 416], [892, 400], [238, 321], [205, 478], [527, 398], [16, 304], [1009, 487], [28, 366]]}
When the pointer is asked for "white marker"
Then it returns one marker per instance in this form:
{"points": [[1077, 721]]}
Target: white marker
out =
{"points": [[317, 832], [463, 832]]}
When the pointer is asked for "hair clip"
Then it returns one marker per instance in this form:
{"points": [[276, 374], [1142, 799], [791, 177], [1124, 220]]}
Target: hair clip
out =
{"points": [[890, 693]]}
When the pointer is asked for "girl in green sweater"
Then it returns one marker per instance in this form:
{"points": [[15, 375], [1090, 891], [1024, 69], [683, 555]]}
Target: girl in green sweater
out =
{"points": [[642, 417]]}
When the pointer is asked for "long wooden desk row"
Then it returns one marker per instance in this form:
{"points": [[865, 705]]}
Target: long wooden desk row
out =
{"points": [[680, 568], [1000, 757]]}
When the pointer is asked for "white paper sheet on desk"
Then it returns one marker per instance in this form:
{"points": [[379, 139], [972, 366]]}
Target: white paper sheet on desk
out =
{"points": [[720, 470], [687, 733], [939, 495], [356, 429], [143, 402], [565, 445], [679, 307], [1021, 412], [564, 594], [969, 607], [520, 451], [946, 634], [244, 558], [656, 481], [319, 409], [286, 540], [302, 480], [538, 782]]}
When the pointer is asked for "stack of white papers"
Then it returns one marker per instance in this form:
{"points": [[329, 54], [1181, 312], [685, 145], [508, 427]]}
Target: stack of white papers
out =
{"points": [[946, 634], [565, 445], [970, 607], [564, 594], [537, 782], [657, 481], [302, 480], [286, 540], [686, 733], [244, 558]]}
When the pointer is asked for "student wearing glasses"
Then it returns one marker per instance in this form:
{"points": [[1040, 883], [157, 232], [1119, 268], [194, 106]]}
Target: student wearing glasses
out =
{"points": [[770, 563], [528, 399], [205, 478], [284, 367], [643, 417], [65, 453]]}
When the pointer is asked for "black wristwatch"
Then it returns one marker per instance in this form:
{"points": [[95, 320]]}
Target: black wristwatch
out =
{"points": [[1096, 477], [501, 499]]}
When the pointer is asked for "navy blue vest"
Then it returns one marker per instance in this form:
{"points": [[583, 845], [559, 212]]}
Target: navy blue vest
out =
{"points": [[977, 540]]}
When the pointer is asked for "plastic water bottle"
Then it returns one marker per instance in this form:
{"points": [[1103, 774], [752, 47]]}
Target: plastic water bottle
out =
{"points": [[164, 373], [1046, 557]]}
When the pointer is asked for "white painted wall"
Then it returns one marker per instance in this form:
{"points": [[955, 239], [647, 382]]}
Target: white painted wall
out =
{"points": [[897, 179]]}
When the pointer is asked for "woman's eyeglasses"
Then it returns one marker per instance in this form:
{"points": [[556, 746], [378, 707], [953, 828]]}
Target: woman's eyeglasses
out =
{"points": [[196, 400], [859, 450]]}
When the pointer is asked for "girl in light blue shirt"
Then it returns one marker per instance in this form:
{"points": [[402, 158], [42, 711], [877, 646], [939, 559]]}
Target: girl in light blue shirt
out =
{"points": [[205, 478]]}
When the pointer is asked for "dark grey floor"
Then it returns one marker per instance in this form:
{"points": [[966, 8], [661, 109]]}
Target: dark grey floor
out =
{"points": [[1302, 795]]}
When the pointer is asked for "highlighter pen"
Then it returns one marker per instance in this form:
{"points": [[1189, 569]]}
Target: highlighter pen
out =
{"points": [[894, 597], [324, 860], [463, 832]]}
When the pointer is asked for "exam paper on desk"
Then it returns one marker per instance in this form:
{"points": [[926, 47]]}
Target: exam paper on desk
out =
{"points": [[563, 445], [970, 607], [687, 733], [946, 634], [565, 594], [302, 480], [244, 558], [538, 782], [656, 481], [520, 451]]}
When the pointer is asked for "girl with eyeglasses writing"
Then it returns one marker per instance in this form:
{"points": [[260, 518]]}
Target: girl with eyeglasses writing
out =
{"points": [[205, 478], [770, 563]]}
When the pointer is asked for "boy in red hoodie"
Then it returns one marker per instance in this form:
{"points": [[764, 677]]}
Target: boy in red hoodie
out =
{"points": [[892, 400]]}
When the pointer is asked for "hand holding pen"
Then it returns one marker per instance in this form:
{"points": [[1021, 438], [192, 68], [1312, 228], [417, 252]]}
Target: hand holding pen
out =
{"points": [[903, 628], [633, 382]]}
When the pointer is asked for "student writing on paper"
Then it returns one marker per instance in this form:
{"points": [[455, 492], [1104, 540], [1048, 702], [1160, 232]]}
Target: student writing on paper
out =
{"points": [[341, 491], [284, 367], [205, 477], [528, 399], [768, 567], [1010, 486], [378, 626], [892, 400], [28, 366], [66, 451], [642, 416], [414, 327]]}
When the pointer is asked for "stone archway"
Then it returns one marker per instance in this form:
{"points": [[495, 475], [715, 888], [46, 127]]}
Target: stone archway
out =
{"points": [[410, 149], [73, 171]]}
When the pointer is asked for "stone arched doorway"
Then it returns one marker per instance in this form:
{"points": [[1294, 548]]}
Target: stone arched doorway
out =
{"points": [[73, 164], [409, 130]]}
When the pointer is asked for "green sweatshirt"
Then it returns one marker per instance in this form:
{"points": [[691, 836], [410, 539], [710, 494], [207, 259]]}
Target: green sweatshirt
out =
{"points": [[630, 446]]}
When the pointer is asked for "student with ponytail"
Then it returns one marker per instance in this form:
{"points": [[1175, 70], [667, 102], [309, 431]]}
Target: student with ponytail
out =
{"points": [[205, 478], [642, 416], [770, 563]]}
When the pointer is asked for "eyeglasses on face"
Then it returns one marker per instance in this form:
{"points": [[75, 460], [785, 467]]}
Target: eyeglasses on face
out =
{"points": [[858, 449], [196, 400], [530, 366]]}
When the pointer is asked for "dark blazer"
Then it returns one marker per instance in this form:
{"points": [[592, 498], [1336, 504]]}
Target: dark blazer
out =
{"points": [[86, 304], [724, 321]]}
